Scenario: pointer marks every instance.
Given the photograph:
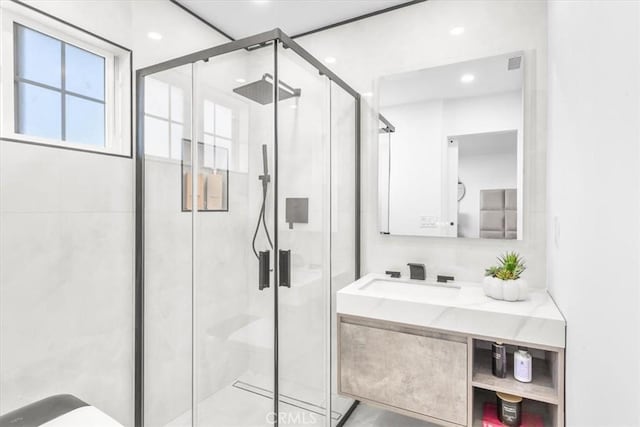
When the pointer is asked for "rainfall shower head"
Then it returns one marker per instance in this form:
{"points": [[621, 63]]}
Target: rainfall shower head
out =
{"points": [[261, 91]]}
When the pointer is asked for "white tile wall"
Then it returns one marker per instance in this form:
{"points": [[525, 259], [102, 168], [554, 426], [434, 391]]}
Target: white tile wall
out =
{"points": [[66, 294]]}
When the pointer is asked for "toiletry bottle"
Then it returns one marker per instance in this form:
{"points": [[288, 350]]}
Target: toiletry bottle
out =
{"points": [[522, 365], [499, 360]]}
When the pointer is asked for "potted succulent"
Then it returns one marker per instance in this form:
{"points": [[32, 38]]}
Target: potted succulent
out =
{"points": [[503, 281]]}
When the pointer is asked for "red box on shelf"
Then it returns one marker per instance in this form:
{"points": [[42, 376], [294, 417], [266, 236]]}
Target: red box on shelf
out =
{"points": [[490, 418]]}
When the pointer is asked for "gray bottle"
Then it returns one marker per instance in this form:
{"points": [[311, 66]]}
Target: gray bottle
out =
{"points": [[499, 360]]}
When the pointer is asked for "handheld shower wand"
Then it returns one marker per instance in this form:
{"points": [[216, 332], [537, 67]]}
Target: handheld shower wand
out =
{"points": [[265, 165], [263, 256]]}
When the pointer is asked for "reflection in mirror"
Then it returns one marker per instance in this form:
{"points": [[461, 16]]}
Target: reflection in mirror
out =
{"points": [[384, 163], [450, 150]]}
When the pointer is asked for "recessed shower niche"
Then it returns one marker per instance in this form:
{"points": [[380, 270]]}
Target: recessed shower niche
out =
{"points": [[212, 180]]}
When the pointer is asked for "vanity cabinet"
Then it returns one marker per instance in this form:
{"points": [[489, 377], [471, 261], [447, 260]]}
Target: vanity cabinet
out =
{"points": [[414, 371], [440, 376]]}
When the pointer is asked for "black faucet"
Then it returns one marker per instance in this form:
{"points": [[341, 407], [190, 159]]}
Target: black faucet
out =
{"points": [[417, 271]]}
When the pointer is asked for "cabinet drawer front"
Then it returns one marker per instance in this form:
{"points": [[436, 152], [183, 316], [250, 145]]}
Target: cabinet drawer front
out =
{"points": [[422, 374]]}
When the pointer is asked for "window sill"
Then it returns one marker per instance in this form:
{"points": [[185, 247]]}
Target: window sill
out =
{"points": [[72, 147]]}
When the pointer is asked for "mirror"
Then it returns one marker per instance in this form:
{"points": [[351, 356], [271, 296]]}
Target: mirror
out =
{"points": [[450, 150]]}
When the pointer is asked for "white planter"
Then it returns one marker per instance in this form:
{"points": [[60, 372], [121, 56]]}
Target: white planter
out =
{"points": [[507, 290]]}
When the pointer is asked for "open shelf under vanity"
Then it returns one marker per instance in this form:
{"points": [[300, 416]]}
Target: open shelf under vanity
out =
{"points": [[545, 411], [543, 396]]}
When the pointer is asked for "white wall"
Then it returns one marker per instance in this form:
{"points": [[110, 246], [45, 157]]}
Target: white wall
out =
{"points": [[67, 237], [594, 204], [417, 37]]}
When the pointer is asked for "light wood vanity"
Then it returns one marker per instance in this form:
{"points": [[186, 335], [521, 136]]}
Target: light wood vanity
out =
{"points": [[399, 357]]}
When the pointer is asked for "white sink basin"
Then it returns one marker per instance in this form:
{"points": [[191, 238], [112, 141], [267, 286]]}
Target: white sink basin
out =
{"points": [[412, 291], [445, 306]]}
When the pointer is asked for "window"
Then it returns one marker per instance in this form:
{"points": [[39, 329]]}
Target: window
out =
{"points": [[59, 89], [163, 119], [68, 87], [218, 133], [164, 116]]}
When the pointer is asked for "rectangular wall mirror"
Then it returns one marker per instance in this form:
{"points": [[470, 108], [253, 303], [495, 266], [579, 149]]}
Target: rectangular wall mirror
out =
{"points": [[450, 150]]}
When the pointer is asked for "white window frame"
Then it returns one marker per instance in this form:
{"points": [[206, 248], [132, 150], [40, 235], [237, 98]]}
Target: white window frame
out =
{"points": [[117, 96]]}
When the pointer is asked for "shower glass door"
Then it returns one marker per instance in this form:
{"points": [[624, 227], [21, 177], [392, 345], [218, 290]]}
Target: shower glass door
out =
{"points": [[234, 374], [168, 244], [303, 243]]}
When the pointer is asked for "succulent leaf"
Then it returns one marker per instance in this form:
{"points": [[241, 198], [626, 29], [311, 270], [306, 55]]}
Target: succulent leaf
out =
{"points": [[510, 268]]}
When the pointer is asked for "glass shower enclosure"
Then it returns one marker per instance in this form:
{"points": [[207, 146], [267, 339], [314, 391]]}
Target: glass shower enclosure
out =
{"points": [[247, 225]]}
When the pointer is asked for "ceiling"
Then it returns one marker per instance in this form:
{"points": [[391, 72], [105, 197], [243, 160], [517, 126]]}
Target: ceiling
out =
{"points": [[243, 18], [490, 76]]}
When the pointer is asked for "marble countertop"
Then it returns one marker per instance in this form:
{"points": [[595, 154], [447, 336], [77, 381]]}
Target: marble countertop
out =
{"points": [[466, 309]]}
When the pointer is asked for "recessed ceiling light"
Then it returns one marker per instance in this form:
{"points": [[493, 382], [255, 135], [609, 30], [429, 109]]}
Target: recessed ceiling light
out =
{"points": [[154, 36], [456, 31], [467, 78], [293, 106], [240, 80], [367, 94], [261, 1], [330, 60]]}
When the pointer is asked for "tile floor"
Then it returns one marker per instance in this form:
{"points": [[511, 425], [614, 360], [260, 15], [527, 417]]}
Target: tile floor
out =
{"points": [[370, 416], [237, 407]]}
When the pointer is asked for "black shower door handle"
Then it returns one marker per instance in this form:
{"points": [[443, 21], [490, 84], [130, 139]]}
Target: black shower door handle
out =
{"points": [[264, 273], [284, 268]]}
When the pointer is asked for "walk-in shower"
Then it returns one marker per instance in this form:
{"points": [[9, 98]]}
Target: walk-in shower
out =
{"points": [[247, 225]]}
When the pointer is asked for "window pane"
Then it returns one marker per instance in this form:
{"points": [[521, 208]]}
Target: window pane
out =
{"points": [[84, 121], [39, 57], [221, 158], [207, 116], [176, 141], [84, 72], [223, 142], [177, 106], [208, 156], [223, 149], [39, 112], [156, 98], [156, 137], [224, 120]]}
